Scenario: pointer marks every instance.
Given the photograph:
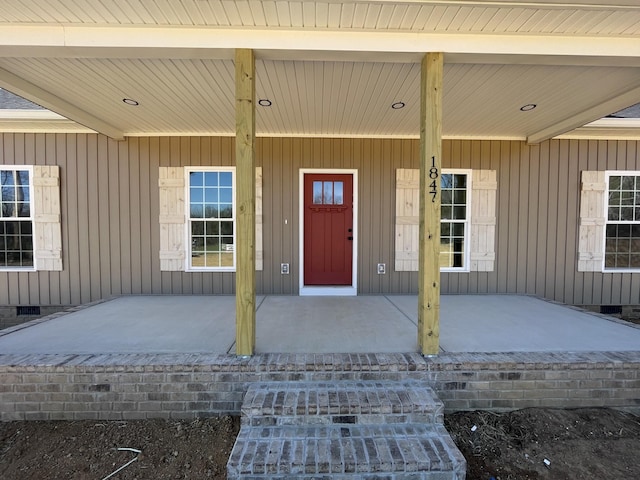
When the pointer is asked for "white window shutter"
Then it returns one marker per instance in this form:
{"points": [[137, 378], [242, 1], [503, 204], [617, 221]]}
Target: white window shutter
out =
{"points": [[592, 221], [407, 219], [172, 219], [46, 207], [483, 220], [259, 248]]}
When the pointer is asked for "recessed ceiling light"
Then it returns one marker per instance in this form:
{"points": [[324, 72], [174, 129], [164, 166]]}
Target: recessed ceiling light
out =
{"points": [[264, 102], [397, 105], [528, 107], [130, 101]]}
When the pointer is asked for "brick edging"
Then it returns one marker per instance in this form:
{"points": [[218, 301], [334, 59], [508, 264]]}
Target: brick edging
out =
{"points": [[128, 386]]}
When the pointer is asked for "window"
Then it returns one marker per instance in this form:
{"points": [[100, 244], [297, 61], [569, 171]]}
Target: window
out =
{"points": [[467, 220], [211, 193], [454, 224], [328, 193], [622, 230], [16, 224]]}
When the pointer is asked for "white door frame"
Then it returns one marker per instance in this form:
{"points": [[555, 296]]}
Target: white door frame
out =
{"points": [[342, 290]]}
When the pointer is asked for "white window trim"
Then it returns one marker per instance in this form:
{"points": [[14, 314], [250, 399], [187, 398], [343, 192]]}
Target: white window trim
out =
{"points": [[467, 221], [608, 174], [32, 216], [187, 171]]}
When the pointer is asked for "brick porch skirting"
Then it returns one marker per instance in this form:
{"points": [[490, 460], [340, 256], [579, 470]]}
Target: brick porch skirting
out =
{"points": [[185, 386]]}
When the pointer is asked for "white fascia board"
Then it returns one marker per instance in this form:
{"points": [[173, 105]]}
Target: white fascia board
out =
{"points": [[219, 43], [592, 114], [35, 94], [619, 123], [606, 128], [29, 114]]}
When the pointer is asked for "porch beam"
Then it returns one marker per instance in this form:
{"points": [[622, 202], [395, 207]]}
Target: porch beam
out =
{"points": [[121, 41], [36, 94], [245, 202], [430, 199]]}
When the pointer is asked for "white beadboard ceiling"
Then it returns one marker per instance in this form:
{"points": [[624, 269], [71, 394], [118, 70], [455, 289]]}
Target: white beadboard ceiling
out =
{"points": [[577, 60]]}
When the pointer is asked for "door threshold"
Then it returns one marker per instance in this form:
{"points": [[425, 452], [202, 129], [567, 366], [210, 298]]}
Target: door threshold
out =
{"points": [[327, 291]]}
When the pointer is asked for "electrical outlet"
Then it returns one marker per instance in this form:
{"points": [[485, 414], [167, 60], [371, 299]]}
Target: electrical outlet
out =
{"points": [[382, 268], [284, 268]]}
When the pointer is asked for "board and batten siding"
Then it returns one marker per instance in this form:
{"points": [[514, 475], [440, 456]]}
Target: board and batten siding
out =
{"points": [[109, 198]]}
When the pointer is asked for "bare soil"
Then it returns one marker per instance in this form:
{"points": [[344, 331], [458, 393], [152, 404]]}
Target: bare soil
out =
{"points": [[577, 444]]}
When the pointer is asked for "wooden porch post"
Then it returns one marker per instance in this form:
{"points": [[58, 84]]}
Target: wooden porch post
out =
{"points": [[245, 203], [430, 198]]}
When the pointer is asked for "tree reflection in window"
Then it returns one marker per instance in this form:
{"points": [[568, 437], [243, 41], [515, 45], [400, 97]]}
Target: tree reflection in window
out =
{"points": [[16, 224], [328, 193], [212, 219]]}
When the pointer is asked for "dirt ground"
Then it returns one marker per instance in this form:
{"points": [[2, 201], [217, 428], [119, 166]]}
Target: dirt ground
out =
{"points": [[578, 444]]}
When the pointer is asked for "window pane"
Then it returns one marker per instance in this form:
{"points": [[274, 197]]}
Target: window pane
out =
{"points": [[460, 181], [446, 212], [627, 198], [614, 183], [226, 210], [447, 197], [8, 180], [614, 198], [317, 193], [446, 181], [16, 243], [226, 179], [211, 195], [460, 197], [628, 183], [328, 193], [212, 259], [337, 193], [622, 246], [226, 195], [196, 179], [196, 211], [459, 213], [626, 214], [211, 179], [458, 229], [195, 195], [212, 228], [226, 228], [8, 209]]}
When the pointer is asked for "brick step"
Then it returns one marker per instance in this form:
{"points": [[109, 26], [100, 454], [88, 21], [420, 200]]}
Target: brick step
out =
{"points": [[344, 402], [398, 451]]}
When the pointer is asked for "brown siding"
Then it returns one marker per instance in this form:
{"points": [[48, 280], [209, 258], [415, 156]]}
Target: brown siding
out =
{"points": [[110, 230]]}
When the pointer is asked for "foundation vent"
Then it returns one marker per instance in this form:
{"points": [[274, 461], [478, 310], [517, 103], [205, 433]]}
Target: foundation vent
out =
{"points": [[27, 310], [611, 309]]}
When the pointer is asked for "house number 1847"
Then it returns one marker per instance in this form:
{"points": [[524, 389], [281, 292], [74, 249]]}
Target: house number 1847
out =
{"points": [[433, 175]]}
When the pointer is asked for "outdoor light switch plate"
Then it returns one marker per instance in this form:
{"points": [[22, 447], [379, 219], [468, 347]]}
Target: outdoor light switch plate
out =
{"points": [[284, 268], [382, 269]]}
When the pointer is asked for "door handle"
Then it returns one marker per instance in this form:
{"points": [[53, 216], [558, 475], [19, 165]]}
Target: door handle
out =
{"points": [[350, 230], [349, 238]]}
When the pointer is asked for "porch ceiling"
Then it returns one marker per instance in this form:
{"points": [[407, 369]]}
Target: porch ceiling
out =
{"points": [[330, 68]]}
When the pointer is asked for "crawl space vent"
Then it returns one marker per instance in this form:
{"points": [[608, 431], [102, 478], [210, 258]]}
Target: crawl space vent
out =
{"points": [[610, 309], [20, 311]]}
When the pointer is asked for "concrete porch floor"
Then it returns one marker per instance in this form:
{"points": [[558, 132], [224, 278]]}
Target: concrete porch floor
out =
{"points": [[286, 324]]}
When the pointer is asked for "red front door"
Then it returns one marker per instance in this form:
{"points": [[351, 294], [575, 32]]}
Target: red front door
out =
{"points": [[328, 229]]}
